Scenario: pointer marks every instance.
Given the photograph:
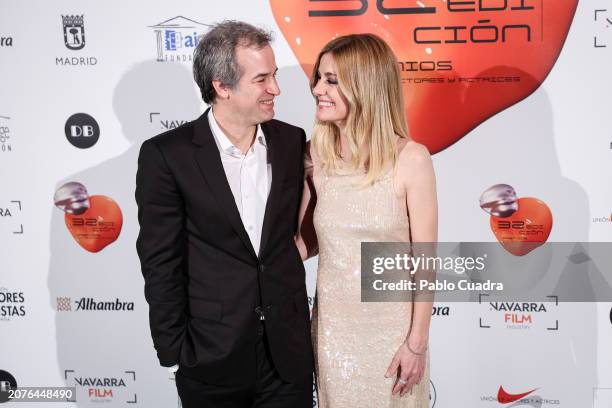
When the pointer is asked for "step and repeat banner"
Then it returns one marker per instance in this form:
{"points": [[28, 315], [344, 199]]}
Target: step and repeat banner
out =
{"points": [[512, 98]]}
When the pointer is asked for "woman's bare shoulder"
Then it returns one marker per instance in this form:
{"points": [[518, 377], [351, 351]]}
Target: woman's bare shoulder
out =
{"points": [[412, 156]]}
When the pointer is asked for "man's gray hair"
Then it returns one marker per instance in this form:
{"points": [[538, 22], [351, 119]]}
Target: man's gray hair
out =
{"points": [[215, 58]]}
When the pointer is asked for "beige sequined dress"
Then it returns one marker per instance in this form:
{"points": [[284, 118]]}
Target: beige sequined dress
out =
{"points": [[354, 342]]}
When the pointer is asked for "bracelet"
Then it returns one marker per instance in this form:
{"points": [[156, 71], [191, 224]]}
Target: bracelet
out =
{"points": [[414, 352]]}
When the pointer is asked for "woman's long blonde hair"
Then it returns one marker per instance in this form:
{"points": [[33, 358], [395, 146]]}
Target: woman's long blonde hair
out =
{"points": [[368, 77]]}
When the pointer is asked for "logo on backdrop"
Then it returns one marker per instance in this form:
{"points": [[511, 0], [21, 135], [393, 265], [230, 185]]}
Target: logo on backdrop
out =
{"points": [[603, 23], [176, 38], [73, 30], [605, 219], [12, 304], [89, 304], [310, 304], [315, 400], [94, 221], [158, 119], [519, 224], [82, 130], [117, 388], [519, 398], [5, 135], [519, 315], [440, 311], [453, 55], [10, 214], [6, 41], [7, 383], [432, 395]]}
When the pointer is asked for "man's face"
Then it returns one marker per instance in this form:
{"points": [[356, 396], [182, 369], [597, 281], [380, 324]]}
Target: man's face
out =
{"points": [[253, 97]]}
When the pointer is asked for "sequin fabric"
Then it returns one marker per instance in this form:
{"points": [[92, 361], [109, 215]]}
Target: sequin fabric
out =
{"points": [[354, 342]]}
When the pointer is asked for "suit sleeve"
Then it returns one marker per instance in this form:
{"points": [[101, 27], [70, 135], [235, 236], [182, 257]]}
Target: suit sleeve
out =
{"points": [[161, 249]]}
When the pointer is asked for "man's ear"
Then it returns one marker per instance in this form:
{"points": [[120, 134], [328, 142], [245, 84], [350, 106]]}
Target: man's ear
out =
{"points": [[223, 91]]}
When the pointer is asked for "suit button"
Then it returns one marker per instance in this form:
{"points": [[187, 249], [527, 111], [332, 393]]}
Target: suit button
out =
{"points": [[262, 267]]}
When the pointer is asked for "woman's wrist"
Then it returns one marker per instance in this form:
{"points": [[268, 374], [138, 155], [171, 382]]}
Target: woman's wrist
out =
{"points": [[417, 344]]}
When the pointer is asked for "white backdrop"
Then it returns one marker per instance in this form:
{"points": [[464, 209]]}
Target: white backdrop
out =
{"points": [[562, 130]]}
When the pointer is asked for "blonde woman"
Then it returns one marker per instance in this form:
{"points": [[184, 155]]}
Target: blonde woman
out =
{"points": [[365, 181]]}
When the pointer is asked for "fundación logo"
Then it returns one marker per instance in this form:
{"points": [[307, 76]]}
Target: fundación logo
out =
{"points": [[82, 130], [7, 383], [105, 389], [88, 304], [73, 31], [176, 38], [5, 135]]}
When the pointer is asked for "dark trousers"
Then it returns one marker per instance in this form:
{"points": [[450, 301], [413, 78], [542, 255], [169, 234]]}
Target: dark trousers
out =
{"points": [[268, 390]]}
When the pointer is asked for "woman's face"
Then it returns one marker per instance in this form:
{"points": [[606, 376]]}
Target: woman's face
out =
{"points": [[332, 106]]}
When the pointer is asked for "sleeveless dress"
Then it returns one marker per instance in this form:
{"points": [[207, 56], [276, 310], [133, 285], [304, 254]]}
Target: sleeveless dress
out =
{"points": [[354, 342]]}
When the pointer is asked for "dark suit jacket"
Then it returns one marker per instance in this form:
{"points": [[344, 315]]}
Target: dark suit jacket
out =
{"points": [[203, 280]]}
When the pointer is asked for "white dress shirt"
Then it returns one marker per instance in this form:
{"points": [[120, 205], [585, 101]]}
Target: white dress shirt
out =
{"points": [[249, 176]]}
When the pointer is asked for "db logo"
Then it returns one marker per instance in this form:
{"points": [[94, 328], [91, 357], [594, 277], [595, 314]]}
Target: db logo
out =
{"points": [[5, 386], [85, 131], [82, 130], [7, 383]]}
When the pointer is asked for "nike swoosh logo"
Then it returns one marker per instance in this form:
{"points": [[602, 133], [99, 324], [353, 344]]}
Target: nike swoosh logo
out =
{"points": [[505, 398]]}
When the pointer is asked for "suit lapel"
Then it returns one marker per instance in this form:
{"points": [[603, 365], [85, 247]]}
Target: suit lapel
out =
{"points": [[209, 162], [277, 160]]}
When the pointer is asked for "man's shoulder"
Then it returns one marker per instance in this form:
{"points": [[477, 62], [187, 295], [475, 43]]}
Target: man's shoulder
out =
{"points": [[174, 138], [285, 128]]}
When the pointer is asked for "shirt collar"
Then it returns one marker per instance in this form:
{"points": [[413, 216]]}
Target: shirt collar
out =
{"points": [[223, 143]]}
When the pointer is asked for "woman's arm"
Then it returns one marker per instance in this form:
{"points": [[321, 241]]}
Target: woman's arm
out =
{"points": [[306, 239], [417, 178], [422, 203]]}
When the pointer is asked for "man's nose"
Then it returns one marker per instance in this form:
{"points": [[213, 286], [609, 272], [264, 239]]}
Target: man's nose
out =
{"points": [[274, 89]]}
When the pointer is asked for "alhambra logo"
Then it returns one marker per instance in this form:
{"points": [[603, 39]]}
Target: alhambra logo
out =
{"points": [[176, 38], [88, 304], [6, 41]]}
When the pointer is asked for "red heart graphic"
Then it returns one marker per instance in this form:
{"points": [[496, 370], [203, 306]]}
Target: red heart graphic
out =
{"points": [[461, 62], [526, 229], [97, 227]]}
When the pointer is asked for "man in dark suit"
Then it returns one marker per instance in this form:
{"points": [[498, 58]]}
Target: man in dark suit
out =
{"points": [[217, 204]]}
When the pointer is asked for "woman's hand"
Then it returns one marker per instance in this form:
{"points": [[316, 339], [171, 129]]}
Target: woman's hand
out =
{"points": [[408, 366]]}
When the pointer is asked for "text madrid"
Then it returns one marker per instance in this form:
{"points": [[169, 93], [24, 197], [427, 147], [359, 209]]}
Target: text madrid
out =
{"points": [[444, 286]]}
